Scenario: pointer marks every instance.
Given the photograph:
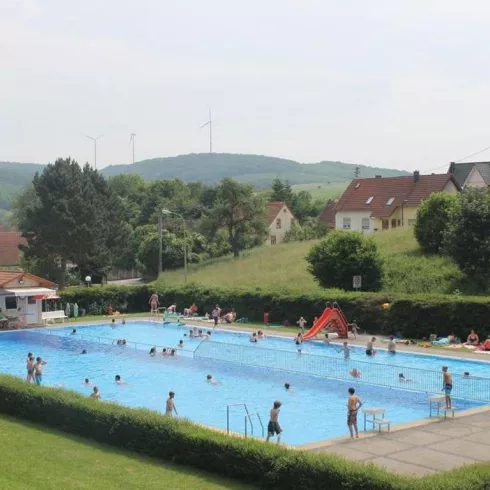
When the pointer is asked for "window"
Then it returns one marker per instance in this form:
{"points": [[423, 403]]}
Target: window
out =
{"points": [[278, 223], [370, 200], [365, 223], [398, 222], [411, 222], [358, 185], [284, 210], [273, 239], [385, 224], [393, 223], [346, 223], [10, 302], [31, 300], [390, 201]]}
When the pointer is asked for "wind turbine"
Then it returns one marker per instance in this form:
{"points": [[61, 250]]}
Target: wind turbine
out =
{"points": [[210, 124], [95, 147], [131, 141]]}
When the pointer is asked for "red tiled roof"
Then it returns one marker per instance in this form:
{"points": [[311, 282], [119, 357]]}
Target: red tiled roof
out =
{"points": [[404, 189], [273, 209], [10, 239], [9, 276], [328, 214]]}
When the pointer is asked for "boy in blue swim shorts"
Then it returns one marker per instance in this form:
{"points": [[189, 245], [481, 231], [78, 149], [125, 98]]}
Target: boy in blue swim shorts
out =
{"points": [[447, 385]]}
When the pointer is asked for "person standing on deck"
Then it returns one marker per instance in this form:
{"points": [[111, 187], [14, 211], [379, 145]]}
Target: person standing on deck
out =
{"points": [[447, 385], [154, 302], [353, 405]]}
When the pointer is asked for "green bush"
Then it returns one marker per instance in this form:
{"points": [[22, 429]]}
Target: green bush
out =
{"points": [[433, 218], [183, 442], [342, 255], [414, 316]]}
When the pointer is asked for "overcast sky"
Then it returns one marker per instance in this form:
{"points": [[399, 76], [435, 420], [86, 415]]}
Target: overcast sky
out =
{"points": [[394, 83]]}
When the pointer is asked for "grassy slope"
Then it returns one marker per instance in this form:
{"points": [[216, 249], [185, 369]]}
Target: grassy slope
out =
{"points": [[34, 456], [284, 267], [323, 191]]}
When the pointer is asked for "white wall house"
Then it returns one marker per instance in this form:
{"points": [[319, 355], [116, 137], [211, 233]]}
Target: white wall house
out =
{"points": [[471, 174], [279, 221], [354, 221], [376, 204], [22, 294]]}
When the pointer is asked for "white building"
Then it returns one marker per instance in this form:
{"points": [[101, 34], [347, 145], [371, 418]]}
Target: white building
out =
{"points": [[471, 174], [279, 221], [22, 294]]}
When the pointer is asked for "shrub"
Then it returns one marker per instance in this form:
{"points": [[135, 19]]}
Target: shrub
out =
{"points": [[414, 316], [467, 237], [342, 255], [183, 442], [433, 218]]}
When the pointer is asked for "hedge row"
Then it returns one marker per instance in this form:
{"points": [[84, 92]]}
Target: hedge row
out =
{"points": [[183, 442], [415, 316]]}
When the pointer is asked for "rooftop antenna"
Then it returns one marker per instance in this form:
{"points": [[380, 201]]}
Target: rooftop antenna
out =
{"points": [[131, 141], [95, 147], [210, 124]]}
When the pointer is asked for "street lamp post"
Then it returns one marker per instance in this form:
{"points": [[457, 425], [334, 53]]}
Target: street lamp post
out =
{"points": [[168, 212], [160, 245]]}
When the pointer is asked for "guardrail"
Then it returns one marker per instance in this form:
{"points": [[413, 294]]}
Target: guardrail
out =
{"points": [[386, 375]]}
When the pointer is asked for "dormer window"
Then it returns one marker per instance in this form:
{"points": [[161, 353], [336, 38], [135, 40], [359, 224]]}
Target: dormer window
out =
{"points": [[358, 185], [390, 201], [370, 200]]}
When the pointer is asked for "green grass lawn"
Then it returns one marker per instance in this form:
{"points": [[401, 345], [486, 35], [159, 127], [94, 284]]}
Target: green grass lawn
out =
{"points": [[34, 457], [323, 190], [284, 267]]}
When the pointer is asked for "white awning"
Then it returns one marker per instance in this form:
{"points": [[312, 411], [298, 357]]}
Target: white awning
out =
{"points": [[27, 291]]}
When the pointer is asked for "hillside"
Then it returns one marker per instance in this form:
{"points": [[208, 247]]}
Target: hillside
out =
{"points": [[13, 177], [255, 169], [283, 267], [258, 170]]}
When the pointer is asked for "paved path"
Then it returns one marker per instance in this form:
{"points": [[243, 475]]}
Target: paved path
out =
{"points": [[440, 445]]}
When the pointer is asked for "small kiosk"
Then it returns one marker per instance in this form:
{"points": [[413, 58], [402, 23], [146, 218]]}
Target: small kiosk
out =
{"points": [[22, 295]]}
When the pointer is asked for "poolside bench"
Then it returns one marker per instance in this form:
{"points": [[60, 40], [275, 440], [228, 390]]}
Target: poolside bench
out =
{"points": [[372, 412], [446, 410], [381, 422], [52, 316]]}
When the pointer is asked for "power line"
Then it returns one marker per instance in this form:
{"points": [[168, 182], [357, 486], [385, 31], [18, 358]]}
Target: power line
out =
{"points": [[473, 154]]}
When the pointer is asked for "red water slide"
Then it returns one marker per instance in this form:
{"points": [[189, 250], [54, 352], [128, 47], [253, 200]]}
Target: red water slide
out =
{"points": [[330, 317]]}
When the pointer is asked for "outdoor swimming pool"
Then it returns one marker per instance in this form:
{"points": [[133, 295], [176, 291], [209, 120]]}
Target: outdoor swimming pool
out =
{"points": [[313, 411]]}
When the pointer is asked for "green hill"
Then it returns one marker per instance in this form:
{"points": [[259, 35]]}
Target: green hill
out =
{"points": [[13, 177], [283, 267], [255, 169], [258, 170]]}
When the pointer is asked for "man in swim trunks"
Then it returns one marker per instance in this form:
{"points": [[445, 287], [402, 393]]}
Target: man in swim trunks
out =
{"points": [[38, 370], [30, 369], [447, 385], [353, 405], [370, 347], [273, 427], [170, 405], [153, 301], [215, 315], [95, 394]]}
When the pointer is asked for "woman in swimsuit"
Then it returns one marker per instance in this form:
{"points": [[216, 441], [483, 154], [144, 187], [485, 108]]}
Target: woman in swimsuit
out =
{"points": [[473, 338], [30, 369]]}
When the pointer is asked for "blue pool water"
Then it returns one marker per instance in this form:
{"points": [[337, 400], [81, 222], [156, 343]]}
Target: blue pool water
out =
{"points": [[313, 411]]}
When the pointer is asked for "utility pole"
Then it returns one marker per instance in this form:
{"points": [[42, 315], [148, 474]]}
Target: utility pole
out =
{"points": [[160, 245]]}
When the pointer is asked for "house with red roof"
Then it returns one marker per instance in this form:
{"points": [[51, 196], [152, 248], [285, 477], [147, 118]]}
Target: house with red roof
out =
{"points": [[376, 204], [280, 219]]}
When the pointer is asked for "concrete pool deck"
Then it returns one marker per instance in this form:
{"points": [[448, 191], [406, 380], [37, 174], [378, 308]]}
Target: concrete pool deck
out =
{"points": [[422, 448]]}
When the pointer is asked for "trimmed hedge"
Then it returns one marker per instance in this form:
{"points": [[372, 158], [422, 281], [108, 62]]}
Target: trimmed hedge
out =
{"points": [[180, 441], [413, 316]]}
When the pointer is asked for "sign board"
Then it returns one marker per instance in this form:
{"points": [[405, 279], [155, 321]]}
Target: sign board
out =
{"points": [[357, 282]]}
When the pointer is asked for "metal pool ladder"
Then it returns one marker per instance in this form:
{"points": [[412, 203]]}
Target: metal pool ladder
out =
{"points": [[248, 418]]}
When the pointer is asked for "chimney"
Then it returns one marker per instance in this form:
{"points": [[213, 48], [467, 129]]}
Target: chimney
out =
{"points": [[377, 176], [416, 176]]}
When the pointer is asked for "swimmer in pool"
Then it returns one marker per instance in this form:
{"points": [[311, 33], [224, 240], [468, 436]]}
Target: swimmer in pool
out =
{"points": [[118, 380], [86, 382], [153, 351], [355, 373], [211, 380]]}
